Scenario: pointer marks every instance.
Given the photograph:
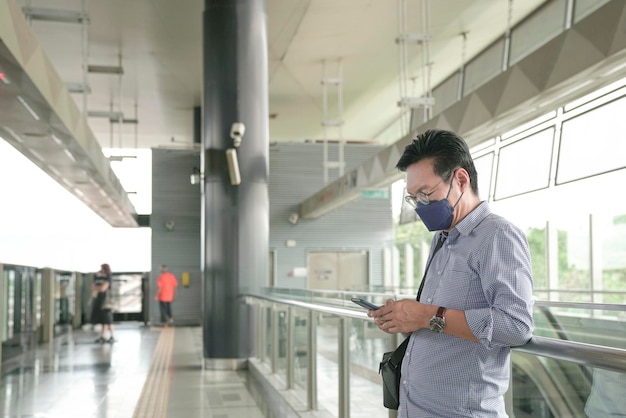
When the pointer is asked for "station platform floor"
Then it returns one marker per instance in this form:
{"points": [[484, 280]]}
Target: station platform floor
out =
{"points": [[148, 372]]}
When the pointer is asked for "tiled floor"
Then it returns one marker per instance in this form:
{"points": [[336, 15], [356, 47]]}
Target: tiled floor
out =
{"points": [[74, 377]]}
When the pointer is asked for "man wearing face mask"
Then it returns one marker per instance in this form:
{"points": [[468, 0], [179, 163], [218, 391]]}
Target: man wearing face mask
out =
{"points": [[475, 300]]}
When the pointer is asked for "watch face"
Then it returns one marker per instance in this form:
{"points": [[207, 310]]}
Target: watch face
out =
{"points": [[437, 324]]}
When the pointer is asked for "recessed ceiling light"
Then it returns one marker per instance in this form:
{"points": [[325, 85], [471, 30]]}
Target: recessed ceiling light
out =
{"points": [[70, 155], [27, 107]]}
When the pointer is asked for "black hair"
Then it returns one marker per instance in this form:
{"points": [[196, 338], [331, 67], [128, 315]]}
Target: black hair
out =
{"points": [[447, 150]]}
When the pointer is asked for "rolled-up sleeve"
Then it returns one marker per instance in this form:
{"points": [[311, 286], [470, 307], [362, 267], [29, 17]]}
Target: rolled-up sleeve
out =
{"points": [[506, 278]]}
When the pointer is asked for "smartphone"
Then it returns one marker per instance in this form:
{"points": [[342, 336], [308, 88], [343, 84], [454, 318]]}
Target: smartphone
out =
{"points": [[364, 303]]}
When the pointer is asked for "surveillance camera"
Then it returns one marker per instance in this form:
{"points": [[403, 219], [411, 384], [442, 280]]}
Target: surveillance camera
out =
{"points": [[236, 132], [293, 218]]}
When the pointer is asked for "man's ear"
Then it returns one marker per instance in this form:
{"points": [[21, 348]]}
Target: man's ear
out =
{"points": [[463, 179]]}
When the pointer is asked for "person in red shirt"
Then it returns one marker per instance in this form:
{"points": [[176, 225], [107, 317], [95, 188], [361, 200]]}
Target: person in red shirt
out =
{"points": [[166, 284]]}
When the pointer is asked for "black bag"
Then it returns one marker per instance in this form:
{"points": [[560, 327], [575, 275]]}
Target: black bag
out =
{"points": [[390, 368]]}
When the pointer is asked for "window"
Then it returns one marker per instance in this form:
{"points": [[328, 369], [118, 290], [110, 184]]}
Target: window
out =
{"points": [[593, 143], [524, 166]]}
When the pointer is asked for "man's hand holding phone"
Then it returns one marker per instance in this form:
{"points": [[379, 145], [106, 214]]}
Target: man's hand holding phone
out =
{"points": [[365, 304]]}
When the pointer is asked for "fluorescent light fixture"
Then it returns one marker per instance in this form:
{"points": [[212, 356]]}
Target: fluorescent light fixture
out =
{"points": [[57, 140], [66, 181], [69, 155], [54, 170], [13, 134], [102, 192], [27, 107], [79, 192], [36, 155]]}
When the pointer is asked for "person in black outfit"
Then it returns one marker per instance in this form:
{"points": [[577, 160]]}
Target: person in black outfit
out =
{"points": [[102, 313]]}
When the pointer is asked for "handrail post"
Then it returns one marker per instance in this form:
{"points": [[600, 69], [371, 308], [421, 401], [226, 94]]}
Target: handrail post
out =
{"points": [[312, 362], [262, 331], [290, 348], [344, 368], [274, 335]]}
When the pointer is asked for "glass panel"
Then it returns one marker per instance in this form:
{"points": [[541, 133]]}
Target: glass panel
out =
{"points": [[513, 176], [327, 355], [281, 366], [548, 388], [586, 7], [537, 30], [268, 334], [518, 130], [446, 93], [301, 361], [537, 242], [127, 292], [484, 167], [367, 345], [573, 273], [581, 323], [608, 394], [598, 97], [603, 127], [609, 251], [482, 145], [413, 241], [484, 67], [544, 387]]}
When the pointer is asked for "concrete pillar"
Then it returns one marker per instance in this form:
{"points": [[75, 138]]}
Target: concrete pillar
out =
{"points": [[47, 301], [78, 300], [235, 218]]}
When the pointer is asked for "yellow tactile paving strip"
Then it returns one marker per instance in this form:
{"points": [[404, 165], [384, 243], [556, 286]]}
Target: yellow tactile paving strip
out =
{"points": [[154, 395]]}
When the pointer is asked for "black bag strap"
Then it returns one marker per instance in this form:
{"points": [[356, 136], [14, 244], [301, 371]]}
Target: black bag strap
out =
{"points": [[442, 239], [398, 354]]}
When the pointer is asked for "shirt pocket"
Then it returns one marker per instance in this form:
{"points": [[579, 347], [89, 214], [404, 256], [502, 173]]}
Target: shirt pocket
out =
{"points": [[460, 290]]}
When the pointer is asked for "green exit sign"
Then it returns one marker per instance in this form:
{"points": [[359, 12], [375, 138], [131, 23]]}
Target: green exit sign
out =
{"points": [[375, 194]]}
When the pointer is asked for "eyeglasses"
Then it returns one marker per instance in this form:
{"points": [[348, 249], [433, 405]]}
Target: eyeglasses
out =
{"points": [[423, 198]]}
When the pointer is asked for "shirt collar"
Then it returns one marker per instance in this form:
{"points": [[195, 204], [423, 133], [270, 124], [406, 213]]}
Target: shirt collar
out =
{"points": [[475, 217]]}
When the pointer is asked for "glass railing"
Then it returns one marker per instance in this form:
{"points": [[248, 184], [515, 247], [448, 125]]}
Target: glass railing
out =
{"points": [[322, 352]]}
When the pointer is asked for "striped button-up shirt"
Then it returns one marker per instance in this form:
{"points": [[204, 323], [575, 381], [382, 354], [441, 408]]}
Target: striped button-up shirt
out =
{"points": [[483, 269]]}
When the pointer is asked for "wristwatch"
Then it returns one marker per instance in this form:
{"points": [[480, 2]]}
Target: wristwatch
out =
{"points": [[438, 322]]}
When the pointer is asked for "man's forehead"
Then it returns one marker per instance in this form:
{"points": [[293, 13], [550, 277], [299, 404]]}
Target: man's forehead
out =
{"points": [[420, 173]]}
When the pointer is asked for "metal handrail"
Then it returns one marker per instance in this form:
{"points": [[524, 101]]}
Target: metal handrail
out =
{"points": [[609, 358], [580, 353]]}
